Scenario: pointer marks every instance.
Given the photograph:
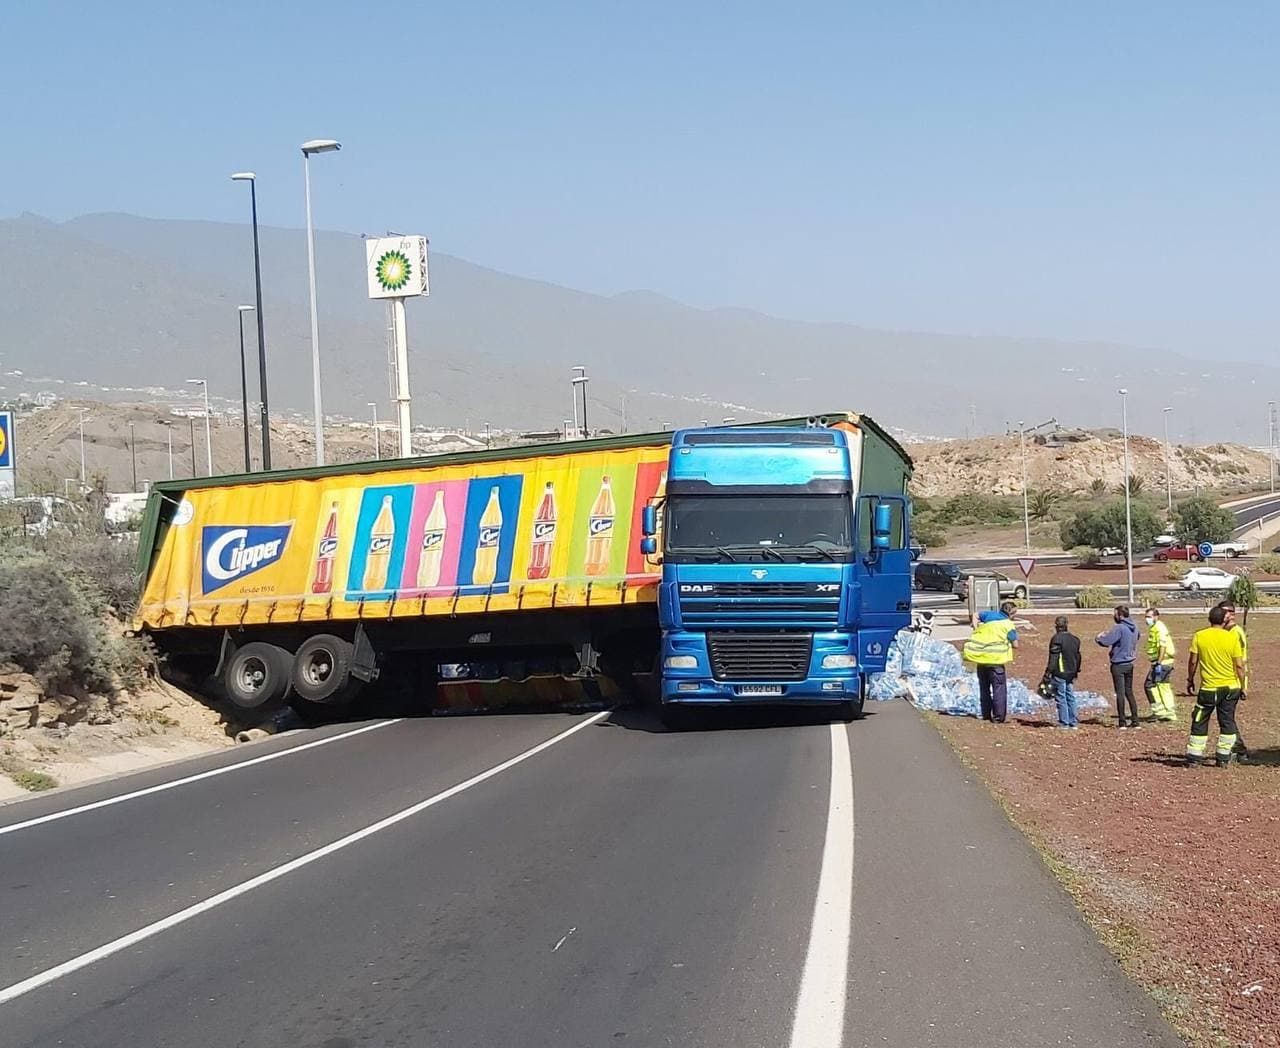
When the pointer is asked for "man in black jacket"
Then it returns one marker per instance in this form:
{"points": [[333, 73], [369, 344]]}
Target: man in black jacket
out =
{"points": [[1063, 668]]}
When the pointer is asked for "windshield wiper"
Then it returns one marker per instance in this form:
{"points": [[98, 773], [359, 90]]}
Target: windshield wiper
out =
{"points": [[806, 546]]}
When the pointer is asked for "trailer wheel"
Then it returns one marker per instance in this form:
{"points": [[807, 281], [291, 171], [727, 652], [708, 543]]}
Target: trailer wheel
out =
{"points": [[256, 677], [322, 670]]}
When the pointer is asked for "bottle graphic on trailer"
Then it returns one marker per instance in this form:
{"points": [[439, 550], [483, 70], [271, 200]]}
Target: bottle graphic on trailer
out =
{"points": [[326, 551], [660, 512], [600, 531], [432, 557], [486, 567], [382, 537], [544, 535]]}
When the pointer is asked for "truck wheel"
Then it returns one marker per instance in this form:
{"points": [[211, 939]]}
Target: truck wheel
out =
{"points": [[256, 677], [322, 669]]}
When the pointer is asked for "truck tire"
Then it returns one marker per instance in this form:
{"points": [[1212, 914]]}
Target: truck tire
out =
{"points": [[256, 677], [322, 670]]}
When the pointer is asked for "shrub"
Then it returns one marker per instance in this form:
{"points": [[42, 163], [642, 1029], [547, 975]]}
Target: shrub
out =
{"points": [[1094, 597], [35, 781], [1151, 598], [1269, 563], [928, 532], [1087, 555], [1176, 569], [1040, 504], [105, 568], [1105, 526], [1097, 485], [1243, 592]]}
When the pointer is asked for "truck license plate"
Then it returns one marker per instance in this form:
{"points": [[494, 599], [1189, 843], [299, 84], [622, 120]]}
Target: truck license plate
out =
{"points": [[760, 689]]}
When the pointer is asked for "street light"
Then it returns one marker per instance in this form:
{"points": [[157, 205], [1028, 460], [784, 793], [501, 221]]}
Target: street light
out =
{"points": [[83, 412], [1128, 498], [1026, 513], [168, 425], [133, 457], [488, 436], [1168, 466], [244, 392], [315, 145], [377, 437], [580, 379], [208, 436], [1271, 441], [252, 179]]}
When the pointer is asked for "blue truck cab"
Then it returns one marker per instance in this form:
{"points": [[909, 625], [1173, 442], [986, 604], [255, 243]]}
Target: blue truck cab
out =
{"points": [[786, 565]]}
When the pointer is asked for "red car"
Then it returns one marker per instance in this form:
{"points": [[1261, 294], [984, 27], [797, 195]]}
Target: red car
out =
{"points": [[1178, 553]]}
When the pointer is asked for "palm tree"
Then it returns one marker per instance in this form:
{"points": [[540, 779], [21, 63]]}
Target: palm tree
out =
{"points": [[1135, 486], [1040, 504]]}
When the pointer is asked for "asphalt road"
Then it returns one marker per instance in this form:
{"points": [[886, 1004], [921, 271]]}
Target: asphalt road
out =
{"points": [[1247, 514], [619, 885]]}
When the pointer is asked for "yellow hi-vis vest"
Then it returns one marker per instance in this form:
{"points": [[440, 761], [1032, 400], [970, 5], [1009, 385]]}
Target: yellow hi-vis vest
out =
{"points": [[989, 645], [1158, 637]]}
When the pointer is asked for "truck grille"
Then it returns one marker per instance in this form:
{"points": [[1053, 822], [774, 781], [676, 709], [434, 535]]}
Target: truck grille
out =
{"points": [[796, 604], [759, 656]]}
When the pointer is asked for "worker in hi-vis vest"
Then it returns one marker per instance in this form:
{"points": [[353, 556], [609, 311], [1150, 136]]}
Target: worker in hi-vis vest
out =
{"points": [[990, 648], [1161, 650]]}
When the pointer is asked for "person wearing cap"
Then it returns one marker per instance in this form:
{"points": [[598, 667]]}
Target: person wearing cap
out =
{"points": [[1122, 639], [1161, 651], [1062, 670]]}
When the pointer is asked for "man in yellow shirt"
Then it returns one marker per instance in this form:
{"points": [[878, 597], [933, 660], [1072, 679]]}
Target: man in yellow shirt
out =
{"points": [[1218, 654], [1233, 624]]}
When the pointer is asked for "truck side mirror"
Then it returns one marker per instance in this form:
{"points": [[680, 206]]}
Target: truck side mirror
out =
{"points": [[882, 526], [649, 521], [649, 545]]}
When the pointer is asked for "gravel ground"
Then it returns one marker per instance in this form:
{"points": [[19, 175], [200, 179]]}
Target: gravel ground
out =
{"points": [[1178, 869]]}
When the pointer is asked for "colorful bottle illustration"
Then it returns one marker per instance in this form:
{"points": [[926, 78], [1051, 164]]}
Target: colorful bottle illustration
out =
{"points": [[326, 551], [544, 535], [660, 512], [600, 531], [432, 558], [485, 571], [381, 538]]}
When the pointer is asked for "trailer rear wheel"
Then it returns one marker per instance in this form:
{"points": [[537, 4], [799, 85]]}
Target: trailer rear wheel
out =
{"points": [[322, 670], [256, 676]]}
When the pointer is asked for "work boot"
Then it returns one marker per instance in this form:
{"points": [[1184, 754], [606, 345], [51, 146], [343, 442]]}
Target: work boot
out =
{"points": [[1222, 760], [1194, 762]]}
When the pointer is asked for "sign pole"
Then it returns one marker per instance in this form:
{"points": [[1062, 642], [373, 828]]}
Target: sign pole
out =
{"points": [[403, 400]]}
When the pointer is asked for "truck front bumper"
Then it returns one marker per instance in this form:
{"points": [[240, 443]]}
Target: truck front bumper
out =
{"points": [[687, 677]]}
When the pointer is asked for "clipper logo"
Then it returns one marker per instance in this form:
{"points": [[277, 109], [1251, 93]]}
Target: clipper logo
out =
{"points": [[233, 553], [543, 530], [489, 537], [328, 547], [432, 539], [599, 526]]}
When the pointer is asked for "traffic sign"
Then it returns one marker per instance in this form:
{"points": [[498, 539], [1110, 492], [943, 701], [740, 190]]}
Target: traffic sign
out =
{"points": [[1027, 565], [1205, 549]]}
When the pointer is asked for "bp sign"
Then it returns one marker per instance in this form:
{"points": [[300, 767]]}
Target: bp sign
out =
{"points": [[6, 455], [396, 266]]}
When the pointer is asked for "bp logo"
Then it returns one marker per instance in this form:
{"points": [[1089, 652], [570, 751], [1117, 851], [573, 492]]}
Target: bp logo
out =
{"points": [[393, 270], [4, 443]]}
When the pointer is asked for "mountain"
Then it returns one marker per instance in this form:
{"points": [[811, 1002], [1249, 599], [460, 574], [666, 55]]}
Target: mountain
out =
{"points": [[118, 301]]}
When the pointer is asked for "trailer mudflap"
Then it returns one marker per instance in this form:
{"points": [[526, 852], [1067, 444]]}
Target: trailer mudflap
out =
{"points": [[364, 660]]}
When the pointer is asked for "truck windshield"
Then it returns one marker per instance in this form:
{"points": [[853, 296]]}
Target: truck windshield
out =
{"points": [[757, 527]]}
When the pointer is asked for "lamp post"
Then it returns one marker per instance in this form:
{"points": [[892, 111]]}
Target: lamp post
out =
{"points": [[1168, 466], [208, 435], [1128, 495], [252, 179], [191, 436], [133, 457], [377, 437], [488, 436], [580, 379], [244, 392], [83, 412], [1026, 512], [1271, 441], [168, 425], [315, 145]]}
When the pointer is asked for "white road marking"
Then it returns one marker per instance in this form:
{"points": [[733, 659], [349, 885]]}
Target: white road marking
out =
{"points": [[564, 938], [820, 1006], [18, 989], [187, 780]]}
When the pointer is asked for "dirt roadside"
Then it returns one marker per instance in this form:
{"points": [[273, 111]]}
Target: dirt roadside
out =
{"points": [[1177, 869]]}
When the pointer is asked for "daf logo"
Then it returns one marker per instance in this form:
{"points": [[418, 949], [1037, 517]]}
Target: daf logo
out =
{"points": [[691, 588], [759, 573]]}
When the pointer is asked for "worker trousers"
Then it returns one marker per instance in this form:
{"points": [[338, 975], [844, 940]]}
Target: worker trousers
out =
{"points": [[993, 693], [1160, 692], [1223, 700], [1122, 681]]}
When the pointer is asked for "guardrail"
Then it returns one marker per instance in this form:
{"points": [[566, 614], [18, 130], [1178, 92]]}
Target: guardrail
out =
{"points": [[1242, 531]]}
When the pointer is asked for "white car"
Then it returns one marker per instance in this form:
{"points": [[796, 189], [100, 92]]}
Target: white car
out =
{"points": [[1207, 579]]}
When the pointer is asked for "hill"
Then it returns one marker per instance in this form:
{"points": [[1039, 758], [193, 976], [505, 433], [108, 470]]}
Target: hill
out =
{"points": [[121, 307]]}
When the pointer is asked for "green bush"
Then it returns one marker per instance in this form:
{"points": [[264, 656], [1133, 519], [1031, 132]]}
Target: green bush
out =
{"points": [[1200, 519], [1151, 598], [928, 532], [978, 509], [35, 781], [1269, 564], [1094, 597], [1087, 555], [1176, 569], [1105, 526], [1243, 593]]}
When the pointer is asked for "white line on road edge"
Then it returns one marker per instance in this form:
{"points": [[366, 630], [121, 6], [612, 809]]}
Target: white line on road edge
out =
{"points": [[107, 802], [819, 1020], [10, 993]]}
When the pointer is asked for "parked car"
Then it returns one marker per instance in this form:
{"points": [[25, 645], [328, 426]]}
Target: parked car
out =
{"points": [[1167, 539], [1229, 549], [942, 576], [1206, 579], [1010, 589], [1178, 553]]}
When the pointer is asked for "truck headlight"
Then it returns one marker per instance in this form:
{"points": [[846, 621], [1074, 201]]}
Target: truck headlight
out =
{"points": [[681, 662], [839, 662]]}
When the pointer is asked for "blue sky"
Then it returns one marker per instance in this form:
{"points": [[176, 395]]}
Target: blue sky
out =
{"points": [[1084, 170]]}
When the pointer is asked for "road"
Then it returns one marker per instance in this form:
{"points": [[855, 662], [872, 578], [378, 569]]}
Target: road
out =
{"points": [[412, 884], [1253, 511]]}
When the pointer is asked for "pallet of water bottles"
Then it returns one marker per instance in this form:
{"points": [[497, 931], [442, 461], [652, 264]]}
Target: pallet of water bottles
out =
{"points": [[931, 674]]}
